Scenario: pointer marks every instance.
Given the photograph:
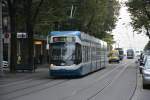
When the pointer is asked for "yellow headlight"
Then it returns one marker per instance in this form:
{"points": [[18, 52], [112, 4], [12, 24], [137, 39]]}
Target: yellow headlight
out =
{"points": [[51, 65]]}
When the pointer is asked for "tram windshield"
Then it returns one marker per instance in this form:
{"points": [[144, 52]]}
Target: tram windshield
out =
{"points": [[63, 54], [129, 52]]}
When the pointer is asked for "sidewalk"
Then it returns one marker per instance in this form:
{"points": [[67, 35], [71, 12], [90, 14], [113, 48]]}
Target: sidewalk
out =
{"points": [[11, 77]]}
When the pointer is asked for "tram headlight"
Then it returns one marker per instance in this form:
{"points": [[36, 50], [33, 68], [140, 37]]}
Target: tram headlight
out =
{"points": [[51, 65]]}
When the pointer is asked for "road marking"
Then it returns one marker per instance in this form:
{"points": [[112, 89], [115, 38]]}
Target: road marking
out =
{"points": [[98, 79], [110, 82]]}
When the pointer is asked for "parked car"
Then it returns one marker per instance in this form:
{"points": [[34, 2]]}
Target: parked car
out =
{"points": [[146, 72], [142, 58]]}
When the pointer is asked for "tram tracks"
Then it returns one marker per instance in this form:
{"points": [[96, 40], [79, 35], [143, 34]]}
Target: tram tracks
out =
{"points": [[101, 77], [109, 83], [30, 85], [57, 83], [17, 87], [16, 93], [21, 81], [81, 93], [19, 78], [23, 84], [112, 82], [33, 89]]}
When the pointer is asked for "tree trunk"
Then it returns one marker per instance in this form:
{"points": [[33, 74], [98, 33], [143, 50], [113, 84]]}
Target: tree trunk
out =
{"points": [[13, 54], [29, 30], [30, 22]]}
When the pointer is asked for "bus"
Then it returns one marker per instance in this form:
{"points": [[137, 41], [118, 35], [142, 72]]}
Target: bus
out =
{"points": [[130, 54], [74, 53]]}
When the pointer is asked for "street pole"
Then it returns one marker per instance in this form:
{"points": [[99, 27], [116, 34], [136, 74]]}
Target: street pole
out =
{"points": [[1, 40]]}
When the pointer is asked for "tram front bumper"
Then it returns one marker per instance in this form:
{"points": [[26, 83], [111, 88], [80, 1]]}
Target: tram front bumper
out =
{"points": [[64, 72]]}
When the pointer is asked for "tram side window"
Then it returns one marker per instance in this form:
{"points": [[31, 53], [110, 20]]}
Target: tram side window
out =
{"points": [[89, 53], [92, 56], [98, 53], [78, 54], [102, 53], [93, 53], [84, 54]]}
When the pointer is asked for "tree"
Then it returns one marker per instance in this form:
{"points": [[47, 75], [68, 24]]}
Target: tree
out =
{"points": [[110, 40], [41, 16], [98, 17], [147, 46], [12, 4], [140, 11], [22, 19], [88, 16]]}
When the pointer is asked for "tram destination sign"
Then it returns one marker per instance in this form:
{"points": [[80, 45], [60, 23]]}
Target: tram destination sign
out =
{"points": [[63, 39]]}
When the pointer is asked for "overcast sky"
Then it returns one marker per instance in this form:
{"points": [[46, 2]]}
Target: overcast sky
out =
{"points": [[123, 33]]}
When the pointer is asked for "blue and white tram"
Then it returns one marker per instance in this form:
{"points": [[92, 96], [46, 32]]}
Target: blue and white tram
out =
{"points": [[74, 53]]}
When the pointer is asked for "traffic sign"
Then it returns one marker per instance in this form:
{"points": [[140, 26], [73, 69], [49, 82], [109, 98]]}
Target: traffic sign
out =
{"points": [[22, 35], [6, 37]]}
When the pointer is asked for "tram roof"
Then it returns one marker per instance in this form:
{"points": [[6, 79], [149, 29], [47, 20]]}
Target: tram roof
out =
{"points": [[57, 33], [80, 34]]}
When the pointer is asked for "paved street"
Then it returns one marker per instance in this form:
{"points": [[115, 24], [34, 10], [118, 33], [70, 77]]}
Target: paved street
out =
{"points": [[115, 82], [40, 39]]}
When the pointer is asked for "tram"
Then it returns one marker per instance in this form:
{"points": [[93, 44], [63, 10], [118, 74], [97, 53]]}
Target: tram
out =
{"points": [[130, 54], [74, 53]]}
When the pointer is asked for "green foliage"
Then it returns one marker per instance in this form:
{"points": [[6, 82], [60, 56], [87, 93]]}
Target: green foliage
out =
{"points": [[140, 14], [96, 17], [109, 38], [147, 47]]}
